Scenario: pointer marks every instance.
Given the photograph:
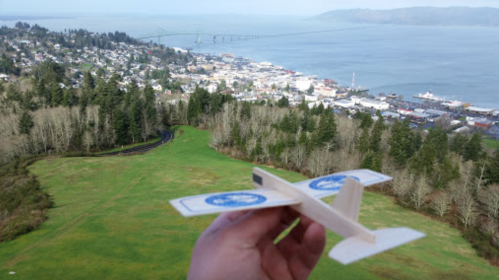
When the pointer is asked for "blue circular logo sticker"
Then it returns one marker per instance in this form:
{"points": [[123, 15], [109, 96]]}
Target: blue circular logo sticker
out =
{"points": [[235, 199], [331, 183]]}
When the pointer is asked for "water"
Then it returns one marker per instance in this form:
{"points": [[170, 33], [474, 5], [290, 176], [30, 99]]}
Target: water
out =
{"points": [[454, 62]]}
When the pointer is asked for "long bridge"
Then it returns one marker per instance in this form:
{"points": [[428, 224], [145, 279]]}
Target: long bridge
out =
{"points": [[232, 37]]}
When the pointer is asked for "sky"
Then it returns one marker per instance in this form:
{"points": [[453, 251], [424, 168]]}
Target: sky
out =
{"points": [[185, 7]]}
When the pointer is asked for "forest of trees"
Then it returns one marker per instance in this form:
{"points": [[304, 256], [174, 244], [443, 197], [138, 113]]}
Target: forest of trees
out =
{"points": [[48, 118], [453, 179]]}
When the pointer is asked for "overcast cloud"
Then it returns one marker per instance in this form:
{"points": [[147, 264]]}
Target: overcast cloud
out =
{"points": [[183, 7]]}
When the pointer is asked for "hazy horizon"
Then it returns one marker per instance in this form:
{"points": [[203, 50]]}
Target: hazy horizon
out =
{"points": [[215, 7]]}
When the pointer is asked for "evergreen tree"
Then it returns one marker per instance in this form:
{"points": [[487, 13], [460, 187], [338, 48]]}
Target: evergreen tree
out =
{"points": [[303, 106], [423, 162], [135, 128], [120, 125], [375, 139], [25, 122], [446, 171], [458, 144], [326, 132], [193, 108], [474, 149], [69, 98], [236, 134], [365, 119], [57, 95], [362, 144], [492, 171], [246, 112], [372, 161], [283, 102], [132, 93], [401, 142], [367, 161]]}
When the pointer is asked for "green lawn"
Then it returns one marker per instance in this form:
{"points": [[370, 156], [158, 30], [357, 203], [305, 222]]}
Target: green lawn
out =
{"points": [[85, 66], [112, 220], [491, 143], [131, 146]]}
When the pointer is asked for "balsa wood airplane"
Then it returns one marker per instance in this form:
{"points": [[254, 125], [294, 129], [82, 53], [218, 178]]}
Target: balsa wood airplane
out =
{"points": [[305, 197]]}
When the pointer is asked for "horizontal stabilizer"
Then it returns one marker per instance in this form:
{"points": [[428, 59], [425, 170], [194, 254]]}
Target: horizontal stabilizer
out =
{"points": [[354, 248]]}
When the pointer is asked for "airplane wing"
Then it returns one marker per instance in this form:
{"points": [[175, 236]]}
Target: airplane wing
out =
{"points": [[331, 184], [231, 201], [265, 198]]}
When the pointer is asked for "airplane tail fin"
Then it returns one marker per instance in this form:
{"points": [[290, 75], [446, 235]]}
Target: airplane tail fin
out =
{"points": [[355, 248], [348, 200]]}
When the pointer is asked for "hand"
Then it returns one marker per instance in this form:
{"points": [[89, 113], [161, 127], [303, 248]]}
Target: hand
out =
{"points": [[240, 245]]}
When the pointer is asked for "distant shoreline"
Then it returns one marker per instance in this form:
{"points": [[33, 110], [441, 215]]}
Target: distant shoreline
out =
{"points": [[21, 18], [417, 16]]}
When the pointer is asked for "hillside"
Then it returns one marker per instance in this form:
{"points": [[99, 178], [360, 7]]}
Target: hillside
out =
{"points": [[426, 16], [112, 220]]}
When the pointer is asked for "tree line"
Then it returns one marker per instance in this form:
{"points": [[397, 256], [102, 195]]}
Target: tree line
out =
{"points": [[48, 117], [451, 177]]}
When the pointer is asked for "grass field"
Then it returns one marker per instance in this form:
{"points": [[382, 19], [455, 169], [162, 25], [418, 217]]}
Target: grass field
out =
{"points": [[491, 143], [113, 221]]}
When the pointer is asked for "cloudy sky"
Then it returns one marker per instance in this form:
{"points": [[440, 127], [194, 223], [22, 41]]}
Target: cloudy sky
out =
{"points": [[256, 7]]}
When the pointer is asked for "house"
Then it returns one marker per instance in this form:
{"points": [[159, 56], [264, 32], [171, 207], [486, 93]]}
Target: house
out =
{"points": [[157, 87], [418, 117], [311, 98], [390, 115], [480, 122], [4, 77], [404, 111]]}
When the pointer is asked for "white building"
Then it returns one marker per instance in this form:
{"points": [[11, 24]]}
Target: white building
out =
{"points": [[355, 99], [344, 103], [325, 91], [212, 88], [377, 105], [311, 98], [303, 84]]}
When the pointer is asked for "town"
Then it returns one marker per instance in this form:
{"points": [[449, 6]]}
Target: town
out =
{"points": [[243, 78]]}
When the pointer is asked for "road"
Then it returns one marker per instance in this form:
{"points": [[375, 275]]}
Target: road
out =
{"points": [[166, 136]]}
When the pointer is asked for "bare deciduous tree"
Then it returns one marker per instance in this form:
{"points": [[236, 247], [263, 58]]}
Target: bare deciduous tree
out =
{"points": [[299, 156], [490, 198], [402, 183], [285, 156], [440, 203], [419, 192], [319, 163], [466, 210], [489, 227]]}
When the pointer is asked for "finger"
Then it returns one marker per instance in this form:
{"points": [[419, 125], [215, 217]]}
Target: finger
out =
{"points": [[224, 220], [310, 251], [273, 262], [300, 229], [288, 246], [256, 224], [287, 219]]}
